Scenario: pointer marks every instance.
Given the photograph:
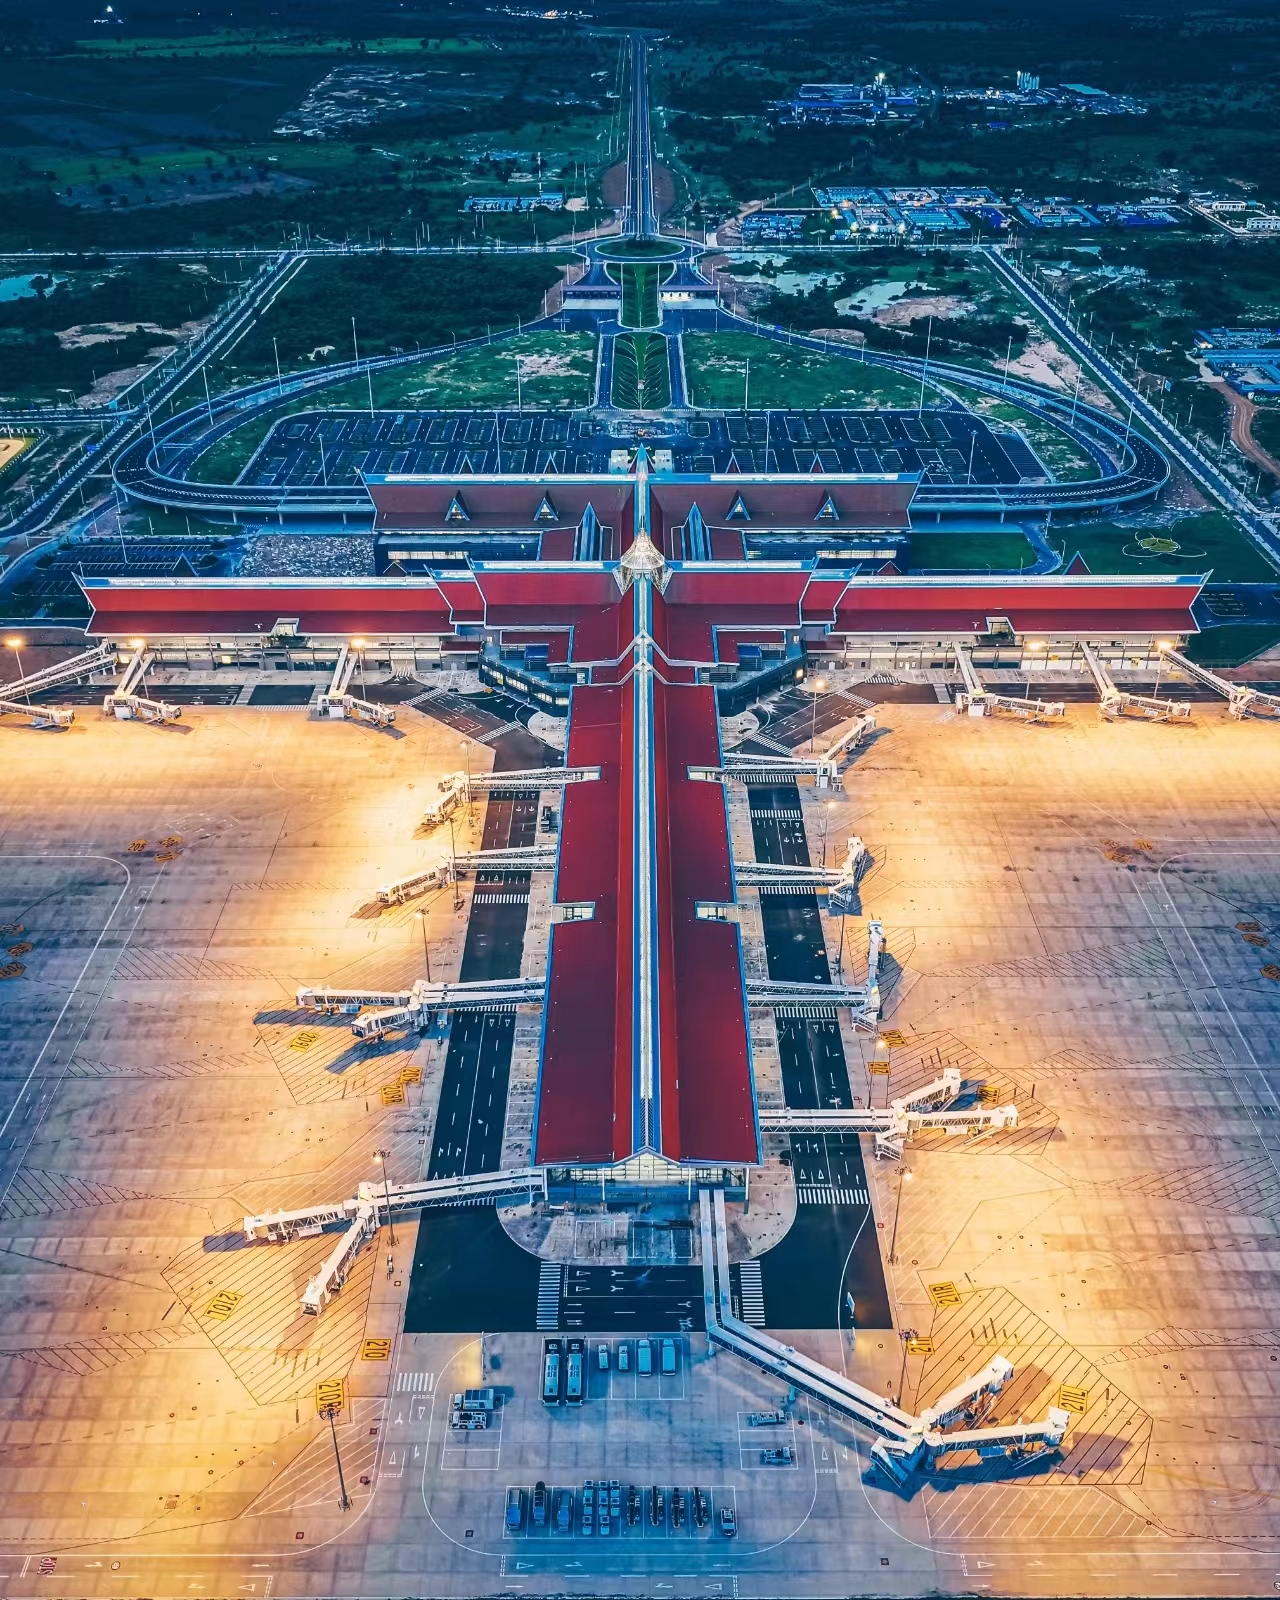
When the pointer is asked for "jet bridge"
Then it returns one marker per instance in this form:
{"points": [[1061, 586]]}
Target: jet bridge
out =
{"points": [[125, 703], [1242, 701], [338, 701], [39, 716], [776, 874], [517, 858], [363, 1215], [1114, 702], [457, 788], [824, 769], [102, 658], [863, 1001], [923, 1110], [419, 1006], [979, 701], [906, 1444]]}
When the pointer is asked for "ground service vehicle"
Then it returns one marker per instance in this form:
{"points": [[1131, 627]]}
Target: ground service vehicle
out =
{"points": [[728, 1522], [677, 1508], [633, 1506], [602, 1356], [657, 1510], [551, 1361], [778, 1458], [624, 1356], [644, 1357], [588, 1508], [701, 1508], [538, 1509], [668, 1355], [564, 1510], [615, 1498], [575, 1350], [515, 1509]]}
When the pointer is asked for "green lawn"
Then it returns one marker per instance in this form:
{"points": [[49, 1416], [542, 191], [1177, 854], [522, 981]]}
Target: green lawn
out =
{"points": [[1231, 645], [1266, 430], [783, 377], [556, 369], [1209, 542], [1000, 550]]}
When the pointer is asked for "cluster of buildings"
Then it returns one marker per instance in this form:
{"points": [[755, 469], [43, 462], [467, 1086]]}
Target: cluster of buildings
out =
{"points": [[1028, 96], [852, 103], [908, 211], [1247, 358], [921, 214], [543, 200], [1245, 219]]}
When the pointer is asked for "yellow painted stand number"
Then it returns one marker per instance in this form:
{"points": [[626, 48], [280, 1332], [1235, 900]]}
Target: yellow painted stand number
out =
{"points": [[222, 1305], [331, 1394]]}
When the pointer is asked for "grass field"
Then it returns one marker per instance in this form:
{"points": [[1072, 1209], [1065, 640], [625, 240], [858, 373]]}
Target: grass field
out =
{"points": [[716, 366], [1208, 542], [1232, 645], [999, 550]]}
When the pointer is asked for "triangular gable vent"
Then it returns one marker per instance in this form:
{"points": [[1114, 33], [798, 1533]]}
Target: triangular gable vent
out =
{"points": [[738, 511], [546, 512], [827, 511], [457, 511]]}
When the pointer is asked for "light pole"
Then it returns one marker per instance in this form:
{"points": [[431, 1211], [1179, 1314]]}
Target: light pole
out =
{"points": [[1032, 644], [382, 1156], [904, 1176], [358, 645], [332, 1412], [819, 687], [906, 1336], [826, 823], [426, 954], [15, 644]]}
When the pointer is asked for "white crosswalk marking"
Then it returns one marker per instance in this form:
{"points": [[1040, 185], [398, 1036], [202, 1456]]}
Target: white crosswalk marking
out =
{"points": [[752, 1292], [809, 1194], [549, 1278], [415, 1382]]}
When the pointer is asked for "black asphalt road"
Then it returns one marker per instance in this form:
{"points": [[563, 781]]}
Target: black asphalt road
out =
{"points": [[469, 1275], [473, 1095], [831, 1249], [633, 1299]]}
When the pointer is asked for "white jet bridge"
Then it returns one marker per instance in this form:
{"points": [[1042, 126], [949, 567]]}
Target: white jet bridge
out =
{"points": [[515, 858], [1114, 702], [125, 703], [457, 788], [17, 695], [824, 769], [841, 881], [923, 1110], [907, 1444], [863, 1001], [978, 700], [363, 1214], [338, 701], [417, 1007], [1242, 701]]}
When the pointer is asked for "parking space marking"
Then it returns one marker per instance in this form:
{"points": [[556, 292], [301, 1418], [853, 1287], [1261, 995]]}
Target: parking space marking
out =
{"points": [[753, 1442]]}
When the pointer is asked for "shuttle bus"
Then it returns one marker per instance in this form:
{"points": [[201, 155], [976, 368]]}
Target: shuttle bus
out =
{"points": [[551, 1372]]}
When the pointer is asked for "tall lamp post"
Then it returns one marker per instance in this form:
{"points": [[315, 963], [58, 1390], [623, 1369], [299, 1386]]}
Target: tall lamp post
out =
{"points": [[15, 644], [381, 1156], [904, 1176], [421, 917], [344, 1500], [819, 687]]}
